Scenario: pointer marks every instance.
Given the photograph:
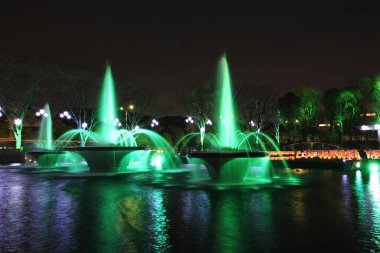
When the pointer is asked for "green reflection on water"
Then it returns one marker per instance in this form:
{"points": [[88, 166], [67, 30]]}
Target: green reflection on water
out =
{"points": [[374, 190], [160, 223], [368, 197], [227, 239]]}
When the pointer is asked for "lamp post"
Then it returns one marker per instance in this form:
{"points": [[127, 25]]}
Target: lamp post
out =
{"points": [[65, 115], [154, 123], [42, 113]]}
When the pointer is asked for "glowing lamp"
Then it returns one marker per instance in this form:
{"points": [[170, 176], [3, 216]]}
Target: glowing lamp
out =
{"points": [[364, 128], [18, 122]]}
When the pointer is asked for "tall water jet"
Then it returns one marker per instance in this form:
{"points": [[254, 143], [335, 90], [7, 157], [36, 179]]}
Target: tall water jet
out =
{"points": [[226, 113], [231, 162], [107, 108], [45, 135]]}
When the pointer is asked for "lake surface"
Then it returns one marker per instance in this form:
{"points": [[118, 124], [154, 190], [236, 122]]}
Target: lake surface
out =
{"points": [[327, 211]]}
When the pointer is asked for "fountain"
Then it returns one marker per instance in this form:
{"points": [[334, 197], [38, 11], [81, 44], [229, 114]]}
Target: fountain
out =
{"points": [[110, 150], [232, 160], [48, 154]]}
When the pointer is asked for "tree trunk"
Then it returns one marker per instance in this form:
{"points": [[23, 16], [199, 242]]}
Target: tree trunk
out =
{"points": [[18, 140]]}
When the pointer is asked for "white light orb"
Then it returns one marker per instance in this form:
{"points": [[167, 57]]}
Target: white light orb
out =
{"points": [[18, 122]]}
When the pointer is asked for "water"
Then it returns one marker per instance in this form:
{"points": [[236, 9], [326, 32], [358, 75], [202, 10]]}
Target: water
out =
{"points": [[330, 211], [226, 122], [107, 108], [45, 134]]}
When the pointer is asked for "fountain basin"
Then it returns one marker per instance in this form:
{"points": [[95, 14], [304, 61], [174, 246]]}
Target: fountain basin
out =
{"points": [[229, 166], [108, 158], [47, 158]]}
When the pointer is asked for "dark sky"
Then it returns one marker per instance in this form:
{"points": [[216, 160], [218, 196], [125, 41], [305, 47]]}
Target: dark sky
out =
{"points": [[169, 47]]}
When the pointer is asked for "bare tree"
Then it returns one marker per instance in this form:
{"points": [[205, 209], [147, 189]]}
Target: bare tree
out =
{"points": [[138, 105], [77, 105], [18, 84], [260, 107]]}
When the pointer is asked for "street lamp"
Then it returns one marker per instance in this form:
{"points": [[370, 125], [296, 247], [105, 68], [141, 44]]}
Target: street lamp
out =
{"points": [[154, 123], [189, 120], [41, 112], [18, 122], [65, 114], [117, 122]]}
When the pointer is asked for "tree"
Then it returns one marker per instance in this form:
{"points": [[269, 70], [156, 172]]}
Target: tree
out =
{"points": [[376, 97], [200, 103], [137, 104], [78, 107], [309, 108], [277, 125], [18, 84], [347, 108], [260, 107], [288, 106], [329, 106]]}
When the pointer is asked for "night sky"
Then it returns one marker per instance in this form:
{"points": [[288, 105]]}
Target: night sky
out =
{"points": [[169, 47]]}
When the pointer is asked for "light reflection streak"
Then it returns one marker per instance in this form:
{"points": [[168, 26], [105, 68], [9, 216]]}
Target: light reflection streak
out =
{"points": [[374, 190], [160, 223]]}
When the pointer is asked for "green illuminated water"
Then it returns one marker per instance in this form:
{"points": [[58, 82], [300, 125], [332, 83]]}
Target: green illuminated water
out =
{"points": [[45, 134], [107, 108], [227, 121], [67, 138]]}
